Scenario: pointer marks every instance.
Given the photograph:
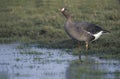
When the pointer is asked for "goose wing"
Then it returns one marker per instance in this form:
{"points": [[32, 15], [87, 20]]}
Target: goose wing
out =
{"points": [[88, 27]]}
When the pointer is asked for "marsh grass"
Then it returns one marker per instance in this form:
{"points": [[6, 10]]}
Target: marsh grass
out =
{"points": [[39, 21], [37, 59], [17, 59], [31, 52]]}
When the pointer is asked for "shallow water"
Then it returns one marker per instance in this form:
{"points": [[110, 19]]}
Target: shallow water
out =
{"points": [[46, 64], [49, 64], [97, 68]]}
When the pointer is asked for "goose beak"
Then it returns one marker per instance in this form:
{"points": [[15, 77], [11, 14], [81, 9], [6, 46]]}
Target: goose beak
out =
{"points": [[63, 9]]}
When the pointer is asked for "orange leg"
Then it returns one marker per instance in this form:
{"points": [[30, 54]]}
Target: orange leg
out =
{"points": [[86, 46]]}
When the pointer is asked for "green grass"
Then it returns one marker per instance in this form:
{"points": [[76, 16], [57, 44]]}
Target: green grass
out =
{"points": [[39, 21], [17, 59], [31, 52]]}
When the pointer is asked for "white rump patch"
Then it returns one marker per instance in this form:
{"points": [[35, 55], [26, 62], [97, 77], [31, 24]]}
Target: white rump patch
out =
{"points": [[97, 35]]}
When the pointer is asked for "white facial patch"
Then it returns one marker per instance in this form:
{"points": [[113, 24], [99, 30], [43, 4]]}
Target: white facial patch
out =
{"points": [[97, 35], [62, 9]]}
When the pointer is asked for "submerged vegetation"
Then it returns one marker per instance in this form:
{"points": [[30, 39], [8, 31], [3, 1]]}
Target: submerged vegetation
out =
{"points": [[39, 21]]}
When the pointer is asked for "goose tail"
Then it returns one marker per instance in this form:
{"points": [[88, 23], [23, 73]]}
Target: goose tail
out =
{"points": [[106, 31]]}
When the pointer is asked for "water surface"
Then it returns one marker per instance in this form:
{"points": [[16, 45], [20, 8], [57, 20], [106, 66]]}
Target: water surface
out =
{"points": [[46, 64], [18, 62]]}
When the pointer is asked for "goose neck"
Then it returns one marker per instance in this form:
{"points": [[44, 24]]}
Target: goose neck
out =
{"points": [[67, 15]]}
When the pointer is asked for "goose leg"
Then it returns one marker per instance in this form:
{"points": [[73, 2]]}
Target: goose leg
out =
{"points": [[86, 46], [79, 47]]}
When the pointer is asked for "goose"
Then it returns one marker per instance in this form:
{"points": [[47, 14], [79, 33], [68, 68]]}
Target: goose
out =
{"points": [[81, 31]]}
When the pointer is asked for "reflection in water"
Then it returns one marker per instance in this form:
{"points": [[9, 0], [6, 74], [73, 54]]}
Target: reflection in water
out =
{"points": [[95, 68], [46, 63]]}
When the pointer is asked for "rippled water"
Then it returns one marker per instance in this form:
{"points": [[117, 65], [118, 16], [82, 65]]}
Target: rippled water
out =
{"points": [[46, 64]]}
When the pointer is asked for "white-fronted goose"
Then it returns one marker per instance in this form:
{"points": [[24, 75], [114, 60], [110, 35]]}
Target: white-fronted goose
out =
{"points": [[82, 31]]}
